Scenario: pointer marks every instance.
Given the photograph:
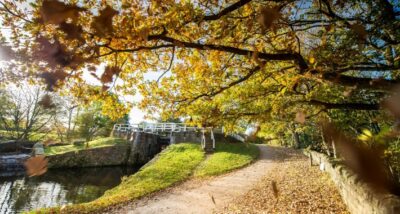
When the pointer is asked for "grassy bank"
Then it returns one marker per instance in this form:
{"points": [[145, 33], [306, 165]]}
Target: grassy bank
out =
{"points": [[102, 142], [34, 136], [227, 157], [176, 163]]}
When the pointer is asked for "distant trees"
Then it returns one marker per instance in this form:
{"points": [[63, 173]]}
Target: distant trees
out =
{"points": [[65, 120], [32, 110], [25, 110], [92, 122]]}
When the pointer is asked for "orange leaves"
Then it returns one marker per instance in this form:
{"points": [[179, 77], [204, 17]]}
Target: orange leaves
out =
{"points": [[291, 186], [268, 16], [46, 102], [6, 53], [364, 160], [360, 31], [55, 54], [51, 52], [109, 73], [55, 12], [257, 60], [102, 24], [36, 166], [275, 189], [72, 31], [52, 78], [393, 103], [300, 117]]}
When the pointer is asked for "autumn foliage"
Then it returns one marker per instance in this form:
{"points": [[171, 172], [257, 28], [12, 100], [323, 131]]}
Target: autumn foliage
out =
{"points": [[286, 65]]}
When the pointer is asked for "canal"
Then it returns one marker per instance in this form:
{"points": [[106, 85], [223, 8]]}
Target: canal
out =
{"points": [[58, 187]]}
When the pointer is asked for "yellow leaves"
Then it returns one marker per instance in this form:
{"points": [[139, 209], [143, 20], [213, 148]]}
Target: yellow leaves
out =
{"points": [[365, 136], [311, 60], [113, 108], [36, 166]]}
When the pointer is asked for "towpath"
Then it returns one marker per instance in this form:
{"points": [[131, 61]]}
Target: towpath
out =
{"points": [[249, 190]]}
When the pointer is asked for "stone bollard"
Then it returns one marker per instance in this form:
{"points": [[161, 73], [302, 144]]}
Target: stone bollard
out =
{"points": [[38, 149]]}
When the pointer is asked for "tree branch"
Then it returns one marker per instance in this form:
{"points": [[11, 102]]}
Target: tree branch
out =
{"points": [[170, 65], [266, 56], [361, 82], [226, 10], [350, 106], [222, 89], [6, 9]]}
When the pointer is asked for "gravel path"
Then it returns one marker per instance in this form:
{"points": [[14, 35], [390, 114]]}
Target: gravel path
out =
{"points": [[216, 194]]}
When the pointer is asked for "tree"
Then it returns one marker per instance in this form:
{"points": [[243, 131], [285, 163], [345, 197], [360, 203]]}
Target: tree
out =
{"points": [[91, 122], [220, 61], [27, 110], [247, 51], [65, 119]]}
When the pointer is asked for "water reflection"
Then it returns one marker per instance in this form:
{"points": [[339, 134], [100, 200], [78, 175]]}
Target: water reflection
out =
{"points": [[58, 187]]}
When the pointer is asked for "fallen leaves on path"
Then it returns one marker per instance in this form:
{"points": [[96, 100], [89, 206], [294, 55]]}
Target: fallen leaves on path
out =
{"points": [[302, 189]]}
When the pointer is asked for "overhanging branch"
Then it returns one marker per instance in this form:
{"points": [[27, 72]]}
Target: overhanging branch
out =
{"points": [[349, 106], [266, 56]]}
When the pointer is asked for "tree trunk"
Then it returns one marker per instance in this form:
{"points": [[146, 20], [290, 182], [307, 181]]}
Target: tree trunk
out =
{"points": [[328, 150], [334, 149], [296, 139]]}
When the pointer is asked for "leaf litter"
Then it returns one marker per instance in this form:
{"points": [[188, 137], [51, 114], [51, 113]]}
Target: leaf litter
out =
{"points": [[292, 186]]}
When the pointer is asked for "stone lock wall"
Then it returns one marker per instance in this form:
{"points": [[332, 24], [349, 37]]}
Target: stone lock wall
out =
{"points": [[359, 197], [103, 156], [143, 147], [181, 137]]}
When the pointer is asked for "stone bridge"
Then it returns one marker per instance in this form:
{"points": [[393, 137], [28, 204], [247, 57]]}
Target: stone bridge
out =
{"points": [[148, 139]]}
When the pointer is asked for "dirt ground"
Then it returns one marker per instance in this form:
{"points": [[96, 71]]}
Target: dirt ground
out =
{"points": [[280, 181]]}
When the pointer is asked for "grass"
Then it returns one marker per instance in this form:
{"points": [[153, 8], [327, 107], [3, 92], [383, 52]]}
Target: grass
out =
{"points": [[227, 157], [174, 164], [34, 136], [102, 142]]}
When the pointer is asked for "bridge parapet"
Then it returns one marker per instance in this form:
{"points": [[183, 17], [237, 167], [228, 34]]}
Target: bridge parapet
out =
{"points": [[154, 128], [176, 132]]}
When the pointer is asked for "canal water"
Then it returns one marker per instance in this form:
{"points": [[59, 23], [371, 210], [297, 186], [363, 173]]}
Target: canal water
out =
{"points": [[58, 187]]}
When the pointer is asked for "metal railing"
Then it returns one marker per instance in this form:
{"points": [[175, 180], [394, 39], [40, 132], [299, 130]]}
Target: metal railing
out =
{"points": [[238, 137], [154, 127]]}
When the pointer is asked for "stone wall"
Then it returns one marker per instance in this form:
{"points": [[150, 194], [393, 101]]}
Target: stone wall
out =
{"points": [[143, 147], [103, 156], [357, 195], [182, 137], [11, 146]]}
